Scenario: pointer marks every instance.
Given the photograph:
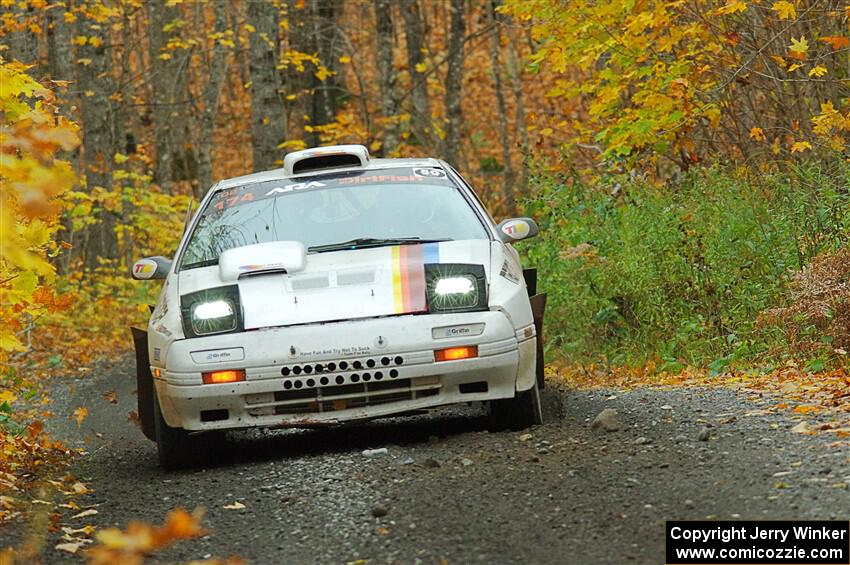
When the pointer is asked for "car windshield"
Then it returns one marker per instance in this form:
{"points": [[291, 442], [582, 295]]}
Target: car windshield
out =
{"points": [[353, 210]]}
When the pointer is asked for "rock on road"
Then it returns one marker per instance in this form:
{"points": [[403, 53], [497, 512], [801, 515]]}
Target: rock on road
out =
{"points": [[447, 491]]}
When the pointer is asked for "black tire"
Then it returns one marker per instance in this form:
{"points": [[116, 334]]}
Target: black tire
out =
{"points": [[518, 413], [177, 448]]}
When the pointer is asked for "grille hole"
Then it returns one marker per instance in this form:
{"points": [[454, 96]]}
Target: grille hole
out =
{"points": [[385, 361], [367, 377], [393, 373], [331, 366], [379, 375], [298, 384], [370, 363], [355, 377], [297, 370], [343, 365], [466, 388], [398, 360], [323, 381], [340, 379], [358, 365], [287, 385], [308, 369], [320, 368], [311, 382], [285, 371], [214, 415]]}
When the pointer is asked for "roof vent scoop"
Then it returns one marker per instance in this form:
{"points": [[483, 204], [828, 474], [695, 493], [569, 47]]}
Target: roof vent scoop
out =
{"points": [[320, 158]]}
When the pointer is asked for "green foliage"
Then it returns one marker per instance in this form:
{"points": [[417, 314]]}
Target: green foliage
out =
{"points": [[679, 274]]}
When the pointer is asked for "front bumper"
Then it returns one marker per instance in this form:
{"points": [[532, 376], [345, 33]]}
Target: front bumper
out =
{"points": [[323, 374]]}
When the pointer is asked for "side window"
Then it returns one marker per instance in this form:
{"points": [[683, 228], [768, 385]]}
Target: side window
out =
{"points": [[489, 219]]}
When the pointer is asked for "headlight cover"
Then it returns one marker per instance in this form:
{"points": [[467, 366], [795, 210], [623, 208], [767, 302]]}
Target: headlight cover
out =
{"points": [[211, 311], [455, 288]]}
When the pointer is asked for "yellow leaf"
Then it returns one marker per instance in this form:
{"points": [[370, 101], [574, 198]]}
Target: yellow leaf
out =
{"points": [[733, 6], [785, 9], [80, 40], [818, 71], [69, 17], [79, 415], [120, 158], [421, 67], [235, 506], [84, 62], [757, 134], [800, 146], [164, 56], [249, 28], [794, 67], [7, 396], [345, 59], [95, 41], [799, 47]]}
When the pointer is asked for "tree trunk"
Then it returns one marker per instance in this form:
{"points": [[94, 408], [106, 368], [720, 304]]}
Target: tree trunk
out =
{"points": [[454, 83], [415, 43], [212, 92], [314, 30], [516, 86], [168, 84], [386, 75], [60, 53], [329, 49], [495, 50], [267, 117], [99, 144], [22, 41]]}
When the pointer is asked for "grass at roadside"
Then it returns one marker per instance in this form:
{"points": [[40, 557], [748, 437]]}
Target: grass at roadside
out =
{"points": [[713, 271]]}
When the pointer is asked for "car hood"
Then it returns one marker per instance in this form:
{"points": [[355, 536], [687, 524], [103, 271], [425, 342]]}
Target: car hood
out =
{"points": [[341, 285]]}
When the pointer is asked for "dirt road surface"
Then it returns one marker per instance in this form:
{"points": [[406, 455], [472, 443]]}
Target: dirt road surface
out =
{"points": [[447, 491]]}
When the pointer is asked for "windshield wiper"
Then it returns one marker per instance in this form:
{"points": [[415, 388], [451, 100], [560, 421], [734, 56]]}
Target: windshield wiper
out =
{"points": [[199, 264], [362, 242]]}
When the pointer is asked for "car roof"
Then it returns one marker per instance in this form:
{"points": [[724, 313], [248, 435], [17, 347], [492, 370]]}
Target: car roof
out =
{"points": [[372, 165]]}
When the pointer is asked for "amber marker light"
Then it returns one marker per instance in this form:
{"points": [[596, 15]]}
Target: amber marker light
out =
{"points": [[456, 353], [219, 377]]}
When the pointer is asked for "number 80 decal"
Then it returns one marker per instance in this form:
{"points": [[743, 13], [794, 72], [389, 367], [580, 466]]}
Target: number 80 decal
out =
{"points": [[430, 173]]}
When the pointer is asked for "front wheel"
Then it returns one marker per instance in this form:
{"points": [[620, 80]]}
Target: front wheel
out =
{"points": [[522, 411], [177, 449]]}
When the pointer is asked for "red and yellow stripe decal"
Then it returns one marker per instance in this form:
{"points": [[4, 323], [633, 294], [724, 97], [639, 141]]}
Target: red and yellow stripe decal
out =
{"points": [[408, 279]]}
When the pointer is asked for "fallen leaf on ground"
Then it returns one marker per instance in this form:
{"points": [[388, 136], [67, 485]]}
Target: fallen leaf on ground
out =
{"points": [[802, 428], [235, 506], [80, 414], [133, 417], [84, 513], [69, 547], [111, 396]]}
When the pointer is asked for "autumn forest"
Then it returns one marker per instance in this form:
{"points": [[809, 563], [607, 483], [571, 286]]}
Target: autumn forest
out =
{"points": [[688, 163]]}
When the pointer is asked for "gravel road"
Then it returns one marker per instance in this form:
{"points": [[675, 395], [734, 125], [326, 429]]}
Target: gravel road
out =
{"points": [[447, 491]]}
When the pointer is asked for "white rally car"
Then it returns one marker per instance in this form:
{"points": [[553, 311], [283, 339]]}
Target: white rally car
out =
{"points": [[337, 288]]}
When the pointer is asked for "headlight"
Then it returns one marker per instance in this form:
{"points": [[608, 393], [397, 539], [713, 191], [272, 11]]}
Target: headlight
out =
{"points": [[455, 288], [211, 311]]}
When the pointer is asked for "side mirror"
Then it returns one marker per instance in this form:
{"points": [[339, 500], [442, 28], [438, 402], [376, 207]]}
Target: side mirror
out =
{"points": [[151, 268], [516, 229]]}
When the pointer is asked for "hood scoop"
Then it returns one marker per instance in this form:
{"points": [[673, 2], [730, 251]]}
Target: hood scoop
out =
{"points": [[285, 257]]}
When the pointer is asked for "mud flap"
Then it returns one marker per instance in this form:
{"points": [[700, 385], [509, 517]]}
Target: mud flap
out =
{"points": [[144, 383], [538, 308]]}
